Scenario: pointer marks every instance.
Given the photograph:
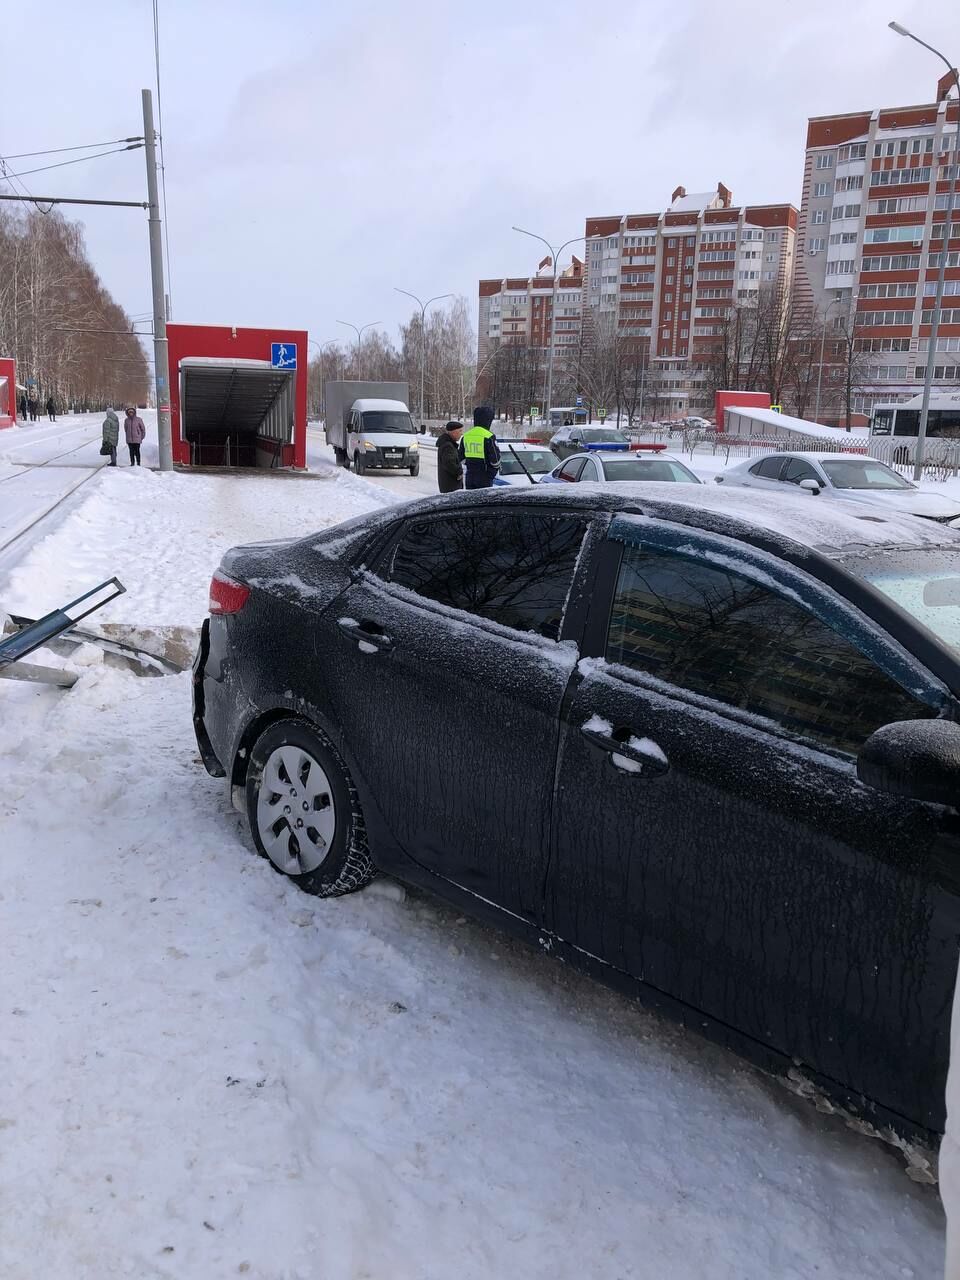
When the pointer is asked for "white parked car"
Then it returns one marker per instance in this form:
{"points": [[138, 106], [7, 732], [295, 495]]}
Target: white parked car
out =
{"points": [[609, 468], [518, 457], [844, 476]]}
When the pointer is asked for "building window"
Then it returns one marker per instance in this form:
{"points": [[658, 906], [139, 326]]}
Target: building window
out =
{"points": [[819, 217], [816, 244], [825, 160], [821, 189], [886, 235]]}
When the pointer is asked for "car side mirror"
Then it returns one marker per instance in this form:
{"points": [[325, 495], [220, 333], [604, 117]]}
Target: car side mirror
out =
{"points": [[919, 759], [811, 486]]}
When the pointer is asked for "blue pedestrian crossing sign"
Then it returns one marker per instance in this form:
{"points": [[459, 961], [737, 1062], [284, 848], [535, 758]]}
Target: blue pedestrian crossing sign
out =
{"points": [[283, 355]]}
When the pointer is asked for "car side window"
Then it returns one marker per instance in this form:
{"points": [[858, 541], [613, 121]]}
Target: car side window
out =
{"points": [[715, 633], [798, 469], [513, 568], [767, 468], [590, 473], [571, 470]]}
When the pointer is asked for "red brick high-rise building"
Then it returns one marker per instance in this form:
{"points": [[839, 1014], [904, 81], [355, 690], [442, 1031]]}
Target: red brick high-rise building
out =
{"points": [[875, 190]]}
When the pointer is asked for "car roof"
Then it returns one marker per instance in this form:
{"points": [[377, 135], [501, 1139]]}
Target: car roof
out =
{"points": [[369, 405], [644, 456], [522, 444], [809, 456], [778, 521]]}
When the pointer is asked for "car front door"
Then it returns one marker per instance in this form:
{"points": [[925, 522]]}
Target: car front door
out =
{"points": [[713, 839], [445, 665], [765, 474]]}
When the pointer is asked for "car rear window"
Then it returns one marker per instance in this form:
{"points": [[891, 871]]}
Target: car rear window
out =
{"points": [[647, 469]]}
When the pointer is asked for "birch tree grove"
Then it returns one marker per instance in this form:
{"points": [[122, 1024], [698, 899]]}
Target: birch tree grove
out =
{"points": [[69, 337]]}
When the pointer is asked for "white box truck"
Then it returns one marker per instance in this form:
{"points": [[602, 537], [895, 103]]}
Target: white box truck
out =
{"points": [[369, 424]]}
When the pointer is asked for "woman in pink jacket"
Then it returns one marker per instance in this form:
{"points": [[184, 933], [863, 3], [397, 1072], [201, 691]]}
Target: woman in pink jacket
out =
{"points": [[134, 430]]}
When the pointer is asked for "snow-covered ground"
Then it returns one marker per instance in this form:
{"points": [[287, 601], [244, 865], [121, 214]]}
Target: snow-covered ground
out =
{"points": [[208, 1074]]}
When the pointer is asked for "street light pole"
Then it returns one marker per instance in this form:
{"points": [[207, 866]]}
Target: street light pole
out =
{"points": [[941, 274], [161, 372], [363, 328], [823, 340], [555, 257], [423, 329]]}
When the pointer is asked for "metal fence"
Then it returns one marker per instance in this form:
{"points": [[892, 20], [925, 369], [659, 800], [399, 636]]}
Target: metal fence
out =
{"points": [[941, 458], [730, 446]]}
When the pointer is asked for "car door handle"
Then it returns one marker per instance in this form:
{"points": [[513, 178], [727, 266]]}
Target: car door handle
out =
{"points": [[368, 636], [629, 753]]}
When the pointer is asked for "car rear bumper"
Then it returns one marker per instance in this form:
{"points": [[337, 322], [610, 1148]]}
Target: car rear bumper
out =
{"points": [[208, 755]]}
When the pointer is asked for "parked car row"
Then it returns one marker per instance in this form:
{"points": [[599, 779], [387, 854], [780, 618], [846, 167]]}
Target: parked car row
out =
{"points": [[702, 742]]}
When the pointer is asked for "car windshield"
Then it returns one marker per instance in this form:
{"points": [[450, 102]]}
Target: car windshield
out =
{"points": [[537, 461], [604, 435], [647, 469], [924, 582], [383, 420], [862, 473]]}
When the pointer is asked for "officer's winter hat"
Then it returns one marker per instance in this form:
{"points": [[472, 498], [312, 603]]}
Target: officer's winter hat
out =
{"points": [[482, 416]]}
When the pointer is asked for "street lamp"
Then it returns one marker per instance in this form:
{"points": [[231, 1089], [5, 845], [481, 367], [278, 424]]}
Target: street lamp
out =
{"points": [[363, 328], [423, 331], [823, 339], [555, 256], [941, 274]]}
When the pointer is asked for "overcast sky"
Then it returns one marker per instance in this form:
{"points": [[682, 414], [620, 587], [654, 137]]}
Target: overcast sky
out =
{"points": [[318, 155]]}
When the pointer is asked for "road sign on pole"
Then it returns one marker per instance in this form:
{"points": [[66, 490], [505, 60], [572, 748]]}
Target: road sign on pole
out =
{"points": [[601, 414], [283, 355], [777, 408], [579, 402]]}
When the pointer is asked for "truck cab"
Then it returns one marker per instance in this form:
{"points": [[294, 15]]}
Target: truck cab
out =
{"points": [[381, 436]]}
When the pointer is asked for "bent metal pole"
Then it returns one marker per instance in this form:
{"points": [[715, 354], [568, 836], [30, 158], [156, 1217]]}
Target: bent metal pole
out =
{"points": [[160, 362]]}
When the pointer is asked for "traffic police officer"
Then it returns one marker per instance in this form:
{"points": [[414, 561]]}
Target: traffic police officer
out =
{"points": [[478, 448]]}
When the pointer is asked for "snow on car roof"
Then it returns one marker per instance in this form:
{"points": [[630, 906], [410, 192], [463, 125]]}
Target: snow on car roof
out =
{"points": [[830, 527], [809, 455], [385, 406], [521, 444]]}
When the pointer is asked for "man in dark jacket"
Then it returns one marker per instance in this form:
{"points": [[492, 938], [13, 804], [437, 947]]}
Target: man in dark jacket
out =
{"points": [[51, 409], [479, 451], [449, 466]]}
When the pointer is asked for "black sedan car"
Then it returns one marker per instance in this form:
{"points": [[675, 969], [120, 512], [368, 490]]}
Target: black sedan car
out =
{"points": [[704, 744]]}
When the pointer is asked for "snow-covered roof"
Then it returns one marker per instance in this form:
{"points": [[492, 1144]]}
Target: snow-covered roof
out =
{"points": [[784, 422], [695, 203], [831, 527], [381, 406]]}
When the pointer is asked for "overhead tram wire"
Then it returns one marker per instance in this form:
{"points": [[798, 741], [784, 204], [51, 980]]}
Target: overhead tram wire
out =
{"points": [[19, 186], [133, 146], [56, 151]]}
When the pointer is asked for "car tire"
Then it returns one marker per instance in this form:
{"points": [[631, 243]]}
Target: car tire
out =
{"points": [[358, 463], [342, 458], [415, 471], [330, 858]]}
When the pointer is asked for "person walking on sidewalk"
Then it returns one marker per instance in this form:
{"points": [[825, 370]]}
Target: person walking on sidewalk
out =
{"points": [[134, 430], [449, 466], [51, 409], [111, 436]]}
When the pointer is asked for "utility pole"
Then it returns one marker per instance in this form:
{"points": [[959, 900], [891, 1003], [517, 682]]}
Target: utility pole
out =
{"points": [[161, 370], [952, 191]]}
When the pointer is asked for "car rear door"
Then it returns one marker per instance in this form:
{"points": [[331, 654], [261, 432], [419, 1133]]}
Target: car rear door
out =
{"points": [[447, 670], [713, 839]]}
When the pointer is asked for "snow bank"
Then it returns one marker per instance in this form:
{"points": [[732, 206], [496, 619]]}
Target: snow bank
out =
{"points": [[163, 535], [209, 1074]]}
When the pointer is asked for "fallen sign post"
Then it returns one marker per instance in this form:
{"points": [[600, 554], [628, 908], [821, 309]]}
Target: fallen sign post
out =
{"points": [[22, 643]]}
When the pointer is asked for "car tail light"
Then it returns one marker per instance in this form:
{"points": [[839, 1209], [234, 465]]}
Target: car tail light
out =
{"points": [[226, 596]]}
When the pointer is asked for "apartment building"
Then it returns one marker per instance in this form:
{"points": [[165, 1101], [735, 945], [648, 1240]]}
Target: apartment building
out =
{"points": [[518, 310], [870, 239], [669, 279]]}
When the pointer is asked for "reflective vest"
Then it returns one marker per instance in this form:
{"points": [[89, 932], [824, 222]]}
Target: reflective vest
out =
{"points": [[474, 442]]}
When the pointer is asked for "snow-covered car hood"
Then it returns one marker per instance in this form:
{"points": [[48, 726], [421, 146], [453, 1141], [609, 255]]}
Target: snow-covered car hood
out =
{"points": [[914, 502]]}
